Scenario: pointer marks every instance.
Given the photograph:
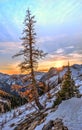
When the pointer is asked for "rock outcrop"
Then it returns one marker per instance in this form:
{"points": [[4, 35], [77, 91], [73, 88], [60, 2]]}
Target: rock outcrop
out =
{"points": [[55, 125]]}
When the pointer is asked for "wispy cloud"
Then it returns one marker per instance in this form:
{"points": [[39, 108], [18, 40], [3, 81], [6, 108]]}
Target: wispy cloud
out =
{"points": [[69, 47], [9, 47], [58, 26], [51, 38], [59, 51], [64, 42]]}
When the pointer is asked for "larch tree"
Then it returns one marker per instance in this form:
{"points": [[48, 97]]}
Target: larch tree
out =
{"points": [[31, 54]]}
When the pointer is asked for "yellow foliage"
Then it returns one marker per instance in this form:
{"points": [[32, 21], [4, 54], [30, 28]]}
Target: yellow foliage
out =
{"points": [[16, 87], [3, 93]]}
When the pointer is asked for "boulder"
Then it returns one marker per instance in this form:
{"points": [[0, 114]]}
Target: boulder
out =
{"points": [[55, 125], [48, 126]]}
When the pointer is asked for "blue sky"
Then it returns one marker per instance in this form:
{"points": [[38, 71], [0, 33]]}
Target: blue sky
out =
{"points": [[58, 28]]}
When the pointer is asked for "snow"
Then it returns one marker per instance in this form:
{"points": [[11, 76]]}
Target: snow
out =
{"points": [[17, 120], [78, 83], [48, 102], [80, 89], [70, 111], [53, 78], [62, 72], [25, 110], [3, 101], [38, 76]]}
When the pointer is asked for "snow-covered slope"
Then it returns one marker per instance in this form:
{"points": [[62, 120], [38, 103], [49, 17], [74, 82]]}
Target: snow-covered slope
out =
{"points": [[70, 111], [19, 114]]}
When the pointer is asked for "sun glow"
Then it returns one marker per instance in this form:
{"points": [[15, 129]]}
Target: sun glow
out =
{"points": [[58, 64]]}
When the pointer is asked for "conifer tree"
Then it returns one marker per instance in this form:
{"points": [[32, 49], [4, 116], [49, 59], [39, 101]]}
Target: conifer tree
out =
{"points": [[68, 85], [31, 54], [68, 88]]}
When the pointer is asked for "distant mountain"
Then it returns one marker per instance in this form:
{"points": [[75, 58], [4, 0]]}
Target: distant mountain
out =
{"points": [[6, 81], [50, 78]]}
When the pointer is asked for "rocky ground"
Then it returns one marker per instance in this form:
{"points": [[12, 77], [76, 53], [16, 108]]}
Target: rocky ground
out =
{"points": [[36, 118]]}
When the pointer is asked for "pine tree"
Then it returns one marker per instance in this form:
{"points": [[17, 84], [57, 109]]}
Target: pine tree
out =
{"points": [[68, 88], [30, 54], [68, 85]]}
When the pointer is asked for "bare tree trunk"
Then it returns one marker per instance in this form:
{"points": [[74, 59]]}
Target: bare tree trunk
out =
{"points": [[38, 104], [36, 96]]}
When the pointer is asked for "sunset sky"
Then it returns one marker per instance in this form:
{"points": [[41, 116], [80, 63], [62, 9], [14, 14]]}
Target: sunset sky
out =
{"points": [[58, 28]]}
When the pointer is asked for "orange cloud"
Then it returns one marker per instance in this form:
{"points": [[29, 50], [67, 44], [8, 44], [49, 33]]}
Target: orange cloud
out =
{"points": [[42, 66], [11, 68]]}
